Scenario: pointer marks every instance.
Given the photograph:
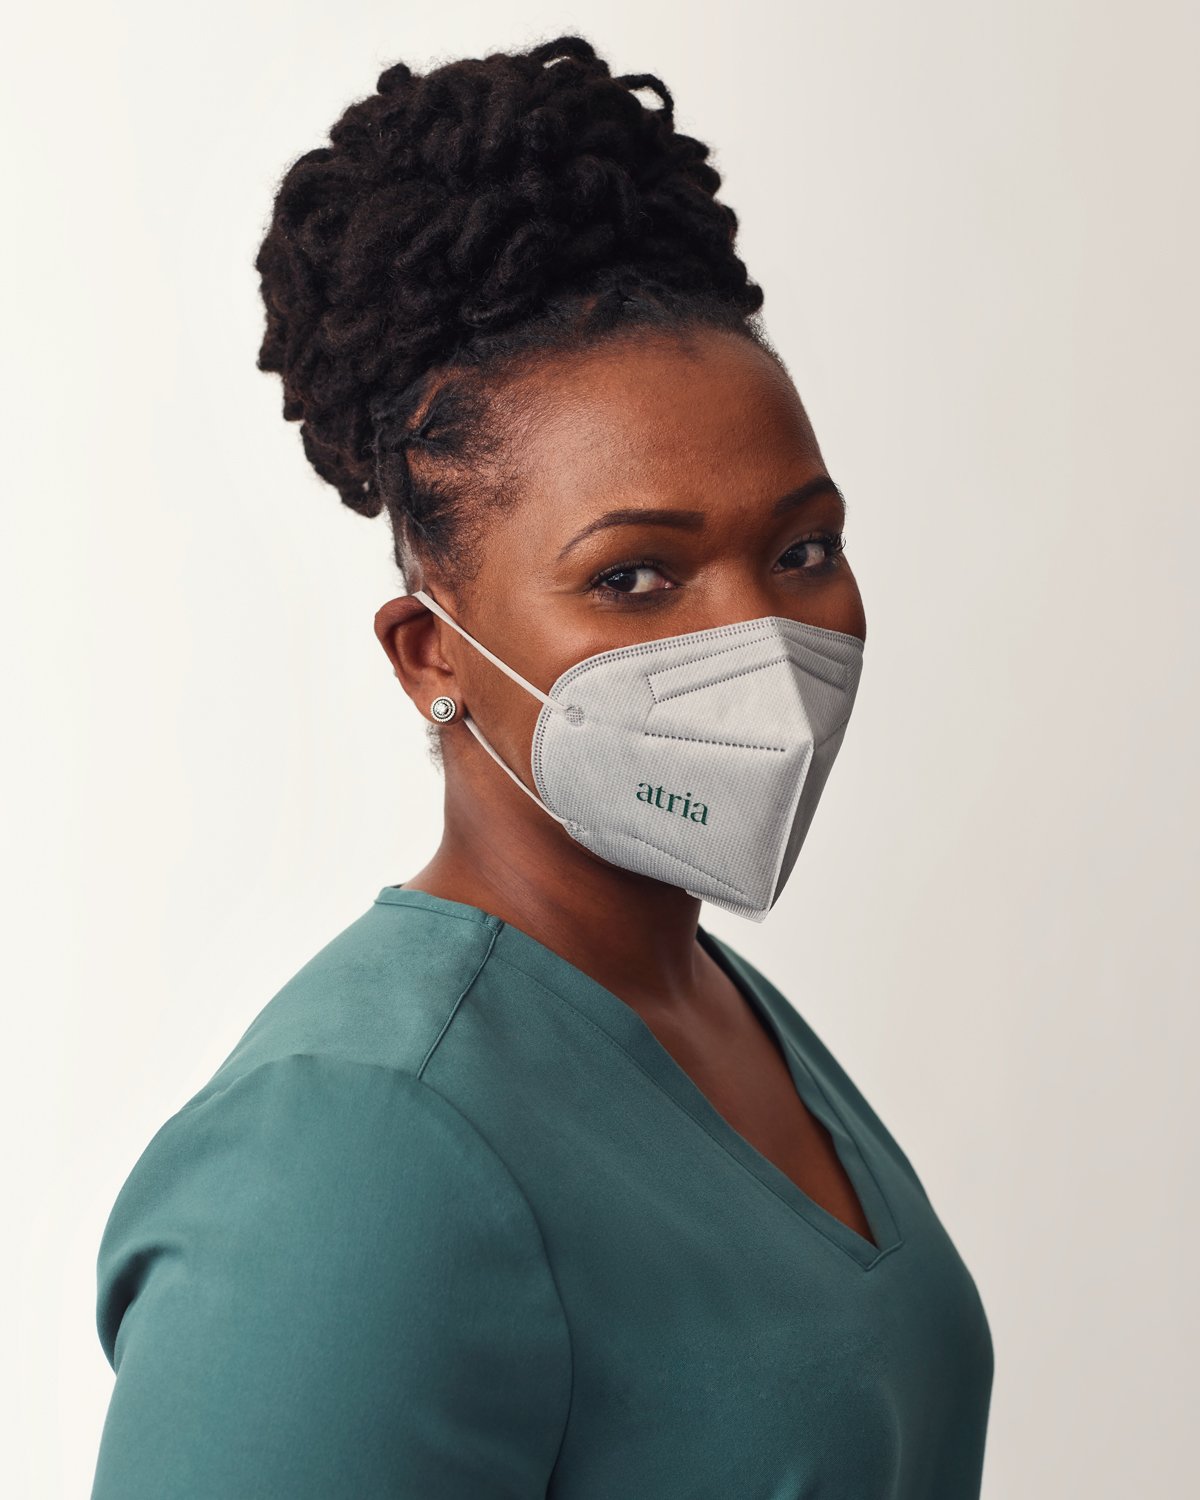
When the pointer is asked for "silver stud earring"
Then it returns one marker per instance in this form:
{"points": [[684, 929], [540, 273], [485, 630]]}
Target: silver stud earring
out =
{"points": [[443, 709]]}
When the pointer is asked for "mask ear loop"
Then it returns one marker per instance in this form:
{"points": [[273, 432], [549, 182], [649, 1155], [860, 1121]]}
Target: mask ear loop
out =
{"points": [[574, 714]]}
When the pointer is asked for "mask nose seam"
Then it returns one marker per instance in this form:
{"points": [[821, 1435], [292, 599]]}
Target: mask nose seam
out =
{"points": [[840, 670], [695, 739]]}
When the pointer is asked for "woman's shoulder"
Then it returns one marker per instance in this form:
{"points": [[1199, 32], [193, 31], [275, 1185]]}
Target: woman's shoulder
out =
{"points": [[320, 1125], [382, 992]]}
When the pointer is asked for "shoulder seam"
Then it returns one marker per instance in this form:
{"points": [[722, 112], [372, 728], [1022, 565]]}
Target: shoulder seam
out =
{"points": [[484, 919], [541, 1238], [423, 1083], [446, 1024], [508, 1172]]}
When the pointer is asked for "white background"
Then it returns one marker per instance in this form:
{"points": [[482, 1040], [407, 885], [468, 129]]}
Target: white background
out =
{"points": [[976, 227]]}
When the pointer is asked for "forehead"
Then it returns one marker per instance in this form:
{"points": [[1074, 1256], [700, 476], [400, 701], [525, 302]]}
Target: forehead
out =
{"points": [[663, 416]]}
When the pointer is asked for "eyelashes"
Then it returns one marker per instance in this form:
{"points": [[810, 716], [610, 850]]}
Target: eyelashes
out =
{"points": [[834, 543]]}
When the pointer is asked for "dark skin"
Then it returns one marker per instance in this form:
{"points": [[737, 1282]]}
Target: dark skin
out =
{"points": [[711, 427]]}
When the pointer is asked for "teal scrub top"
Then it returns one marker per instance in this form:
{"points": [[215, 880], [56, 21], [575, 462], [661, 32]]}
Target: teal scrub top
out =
{"points": [[450, 1223]]}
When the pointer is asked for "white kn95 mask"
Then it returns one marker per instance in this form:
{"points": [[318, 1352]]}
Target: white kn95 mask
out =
{"points": [[696, 759]]}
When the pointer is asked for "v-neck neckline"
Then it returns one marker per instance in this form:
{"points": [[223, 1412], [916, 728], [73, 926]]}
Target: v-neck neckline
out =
{"points": [[623, 1025], [820, 1104]]}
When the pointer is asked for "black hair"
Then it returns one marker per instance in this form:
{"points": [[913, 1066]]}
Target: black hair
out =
{"points": [[461, 225]]}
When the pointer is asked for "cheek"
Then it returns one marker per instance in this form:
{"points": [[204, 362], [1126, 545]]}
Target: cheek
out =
{"points": [[503, 709]]}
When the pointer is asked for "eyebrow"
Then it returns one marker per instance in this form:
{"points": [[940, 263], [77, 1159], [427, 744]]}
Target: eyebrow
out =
{"points": [[693, 520]]}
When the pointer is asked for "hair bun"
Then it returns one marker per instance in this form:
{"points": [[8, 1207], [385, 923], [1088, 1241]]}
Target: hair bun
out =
{"points": [[452, 207]]}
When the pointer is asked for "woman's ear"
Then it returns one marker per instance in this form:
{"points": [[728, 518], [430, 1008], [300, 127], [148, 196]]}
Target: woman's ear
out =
{"points": [[408, 633]]}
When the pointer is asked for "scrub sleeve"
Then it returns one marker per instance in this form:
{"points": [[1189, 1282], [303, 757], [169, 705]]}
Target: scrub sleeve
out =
{"points": [[294, 1304]]}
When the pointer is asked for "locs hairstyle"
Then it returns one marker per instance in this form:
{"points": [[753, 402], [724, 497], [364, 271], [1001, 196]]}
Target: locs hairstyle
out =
{"points": [[461, 226]]}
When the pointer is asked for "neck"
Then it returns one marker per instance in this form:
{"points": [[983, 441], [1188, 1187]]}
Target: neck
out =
{"points": [[634, 935]]}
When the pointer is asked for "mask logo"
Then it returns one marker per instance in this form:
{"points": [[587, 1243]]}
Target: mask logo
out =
{"points": [[697, 812]]}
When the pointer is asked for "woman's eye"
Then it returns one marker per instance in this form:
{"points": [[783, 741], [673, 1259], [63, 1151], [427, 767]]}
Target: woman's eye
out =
{"points": [[818, 552], [629, 578]]}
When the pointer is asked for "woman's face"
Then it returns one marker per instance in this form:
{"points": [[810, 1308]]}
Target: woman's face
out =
{"points": [[664, 488]]}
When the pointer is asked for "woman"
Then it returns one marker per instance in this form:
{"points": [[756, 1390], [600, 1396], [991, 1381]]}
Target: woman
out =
{"points": [[526, 1184]]}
